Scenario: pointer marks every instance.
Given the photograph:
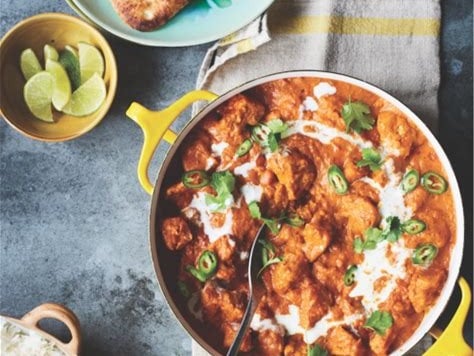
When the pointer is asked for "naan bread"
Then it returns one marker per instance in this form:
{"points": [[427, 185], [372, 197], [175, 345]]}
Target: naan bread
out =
{"points": [[146, 15]]}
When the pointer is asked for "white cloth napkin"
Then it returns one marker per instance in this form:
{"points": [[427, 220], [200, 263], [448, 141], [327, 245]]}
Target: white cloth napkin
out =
{"points": [[393, 44]]}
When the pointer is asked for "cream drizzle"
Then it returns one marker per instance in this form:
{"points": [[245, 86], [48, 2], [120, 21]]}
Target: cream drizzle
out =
{"points": [[251, 192], [291, 323], [244, 169], [218, 148], [213, 233], [323, 133], [259, 324], [392, 201], [377, 265], [323, 89]]}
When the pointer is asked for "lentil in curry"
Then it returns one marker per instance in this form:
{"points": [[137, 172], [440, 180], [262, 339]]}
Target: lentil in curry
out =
{"points": [[360, 220]]}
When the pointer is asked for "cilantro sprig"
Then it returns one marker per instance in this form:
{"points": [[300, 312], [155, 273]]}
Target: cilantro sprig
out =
{"points": [[357, 116], [393, 229], [223, 183], [374, 235], [317, 350], [268, 255], [379, 321], [272, 224], [370, 158]]}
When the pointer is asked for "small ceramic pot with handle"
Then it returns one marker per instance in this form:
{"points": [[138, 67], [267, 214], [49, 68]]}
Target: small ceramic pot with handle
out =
{"points": [[25, 332]]}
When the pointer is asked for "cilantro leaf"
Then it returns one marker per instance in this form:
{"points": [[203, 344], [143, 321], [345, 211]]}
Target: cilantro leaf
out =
{"points": [[272, 224], [223, 183], [393, 229], [317, 350], [372, 236], [379, 322], [254, 210], [277, 126], [268, 255], [357, 116], [272, 142], [358, 245], [370, 158]]}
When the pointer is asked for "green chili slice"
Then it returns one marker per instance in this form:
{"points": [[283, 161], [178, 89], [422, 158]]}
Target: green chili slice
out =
{"points": [[349, 276], [244, 148], [294, 220], [337, 180], [200, 276], [424, 254], [261, 133], [413, 226], [207, 263], [410, 180], [434, 183], [195, 179]]}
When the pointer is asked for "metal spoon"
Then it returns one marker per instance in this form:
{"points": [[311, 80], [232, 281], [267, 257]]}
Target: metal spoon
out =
{"points": [[256, 292]]}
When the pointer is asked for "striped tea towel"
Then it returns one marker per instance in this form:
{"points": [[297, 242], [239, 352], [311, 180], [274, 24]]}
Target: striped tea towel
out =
{"points": [[393, 44]]}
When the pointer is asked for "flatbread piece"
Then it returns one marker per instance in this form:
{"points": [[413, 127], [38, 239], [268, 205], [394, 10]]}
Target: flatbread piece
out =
{"points": [[147, 15]]}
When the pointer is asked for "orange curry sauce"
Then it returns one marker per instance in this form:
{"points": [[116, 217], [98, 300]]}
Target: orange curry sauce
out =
{"points": [[309, 302]]}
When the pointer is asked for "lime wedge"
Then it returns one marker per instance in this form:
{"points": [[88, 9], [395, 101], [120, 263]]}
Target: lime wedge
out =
{"points": [[72, 50], [70, 62], [87, 98], [38, 93], [29, 63], [90, 61], [61, 84], [50, 53]]}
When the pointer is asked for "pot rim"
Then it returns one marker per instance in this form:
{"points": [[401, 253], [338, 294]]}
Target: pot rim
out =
{"points": [[456, 251]]}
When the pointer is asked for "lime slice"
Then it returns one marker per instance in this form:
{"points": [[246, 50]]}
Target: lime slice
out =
{"points": [[61, 84], [87, 98], [50, 53], [29, 63], [38, 93], [90, 61], [72, 50], [71, 63]]}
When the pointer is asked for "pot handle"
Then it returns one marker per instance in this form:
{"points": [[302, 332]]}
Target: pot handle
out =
{"points": [[450, 342], [64, 315], [155, 127]]}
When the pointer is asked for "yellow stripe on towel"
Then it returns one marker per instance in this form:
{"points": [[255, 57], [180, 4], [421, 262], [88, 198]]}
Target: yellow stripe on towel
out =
{"points": [[353, 25]]}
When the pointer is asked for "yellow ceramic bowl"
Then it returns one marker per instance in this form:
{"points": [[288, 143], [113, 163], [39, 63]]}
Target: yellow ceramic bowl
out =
{"points": [[58, 30]]}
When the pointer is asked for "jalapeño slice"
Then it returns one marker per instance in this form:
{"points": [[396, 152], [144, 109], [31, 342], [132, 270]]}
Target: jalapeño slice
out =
{"points": [[349, 276], [261, 134], [410, 180], [207, 263], [195, 179], [424, 254], [196, 273], [244, 148], [413, 226], [434, 183], [337, 180]]}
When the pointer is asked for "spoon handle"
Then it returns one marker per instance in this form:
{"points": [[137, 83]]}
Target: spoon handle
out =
{"points": [[249, 312]]}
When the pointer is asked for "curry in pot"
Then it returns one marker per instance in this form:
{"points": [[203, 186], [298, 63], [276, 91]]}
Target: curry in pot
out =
{"points": [[360, 220]]}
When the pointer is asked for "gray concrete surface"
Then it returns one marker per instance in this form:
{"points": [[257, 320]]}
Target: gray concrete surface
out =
{"points": [[74, 218]]}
